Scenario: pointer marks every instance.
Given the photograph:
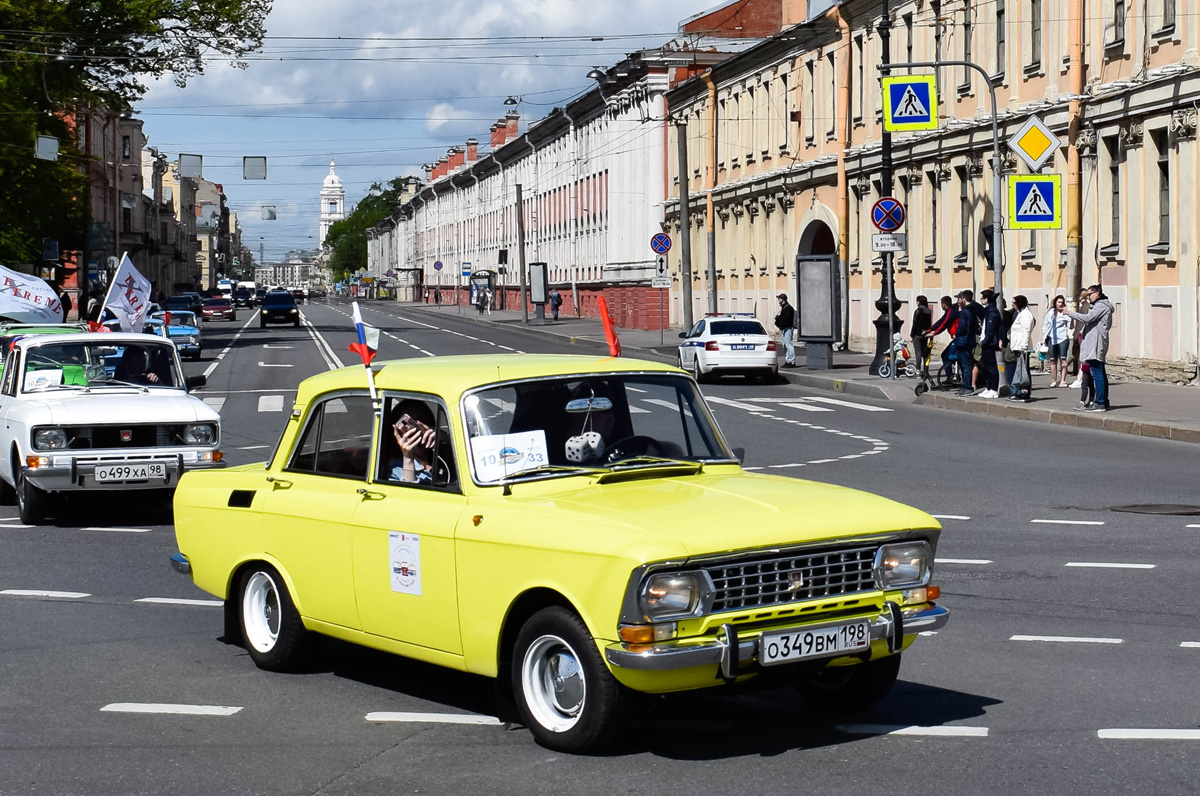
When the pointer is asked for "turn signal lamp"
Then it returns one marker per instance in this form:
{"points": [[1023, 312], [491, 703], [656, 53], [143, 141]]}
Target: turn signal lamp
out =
{"points": [[34, 462], [646, 634]]}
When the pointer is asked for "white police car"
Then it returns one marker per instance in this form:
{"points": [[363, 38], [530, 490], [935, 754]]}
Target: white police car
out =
{"points": [[728, 344]]}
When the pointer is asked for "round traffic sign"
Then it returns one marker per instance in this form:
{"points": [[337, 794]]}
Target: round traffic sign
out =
{"points": [[660, 243], [437, 266], [887, 214]]}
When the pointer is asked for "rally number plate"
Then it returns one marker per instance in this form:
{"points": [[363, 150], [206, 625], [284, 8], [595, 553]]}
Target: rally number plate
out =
{"points": [[130, 472], [821, 642]]}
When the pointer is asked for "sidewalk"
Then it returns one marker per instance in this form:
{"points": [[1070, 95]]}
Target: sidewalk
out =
{"points": [[1164, 411]]}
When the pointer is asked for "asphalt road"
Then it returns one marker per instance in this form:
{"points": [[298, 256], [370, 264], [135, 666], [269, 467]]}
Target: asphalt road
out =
{"points": [[1074, 628]]}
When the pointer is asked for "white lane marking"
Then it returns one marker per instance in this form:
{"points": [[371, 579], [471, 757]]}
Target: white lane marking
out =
{"points": [[852, 456], [1105, 565], [1119, 734], [637, 390], [270, 403], [410, 345], [274, 365], [807, 408], [177, 601], [278, 347], [1194, 526], [16, 525], [821, 461], [637, 410], [174, 710], [747, 469], [10, 519], [331, 359], [900, 729], [115, 530], [221, 356], [949, 517], [66, 595], [216, 402], [1068, 639], [1193, 645], [254, 447], [785, 466], [734, 404], [1068, 522], [849, 404], [979, 561], [665, 403], [434, 718]]}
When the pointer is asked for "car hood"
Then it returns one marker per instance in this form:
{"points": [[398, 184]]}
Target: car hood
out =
{"points": [[719, 512], [111, 405]]}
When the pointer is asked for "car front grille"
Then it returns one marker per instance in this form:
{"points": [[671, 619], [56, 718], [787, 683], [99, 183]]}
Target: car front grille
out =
{"points": [[109, 436], [759, 581]]}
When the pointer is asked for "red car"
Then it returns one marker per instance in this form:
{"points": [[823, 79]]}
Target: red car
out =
{"points": [[219, 308]]}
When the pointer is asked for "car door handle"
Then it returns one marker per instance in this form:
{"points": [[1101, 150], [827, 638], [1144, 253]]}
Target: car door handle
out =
{"points": [[369, 495], [278, 483]]}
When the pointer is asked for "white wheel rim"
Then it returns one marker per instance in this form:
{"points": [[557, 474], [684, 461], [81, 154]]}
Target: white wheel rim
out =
{"points": [[553, 683], [260, 612]]}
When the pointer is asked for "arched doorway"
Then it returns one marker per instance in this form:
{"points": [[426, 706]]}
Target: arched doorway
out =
{"points": [[817, 238]]}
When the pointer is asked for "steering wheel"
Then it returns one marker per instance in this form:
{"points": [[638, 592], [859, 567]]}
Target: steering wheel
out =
{"points": [[634, 445]]}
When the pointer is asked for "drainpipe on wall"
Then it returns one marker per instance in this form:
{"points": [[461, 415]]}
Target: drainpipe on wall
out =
{"points": [[1075, 113], [710, 183], [843, 185]]}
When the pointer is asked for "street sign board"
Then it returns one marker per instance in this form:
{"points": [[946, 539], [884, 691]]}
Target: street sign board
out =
{"points": [[1035, 201], [437, 266], [660, 243], [660, 268], [910, 103], [660, 282], [466, 269], [1034, 143], [895, 242], [887, 214]]}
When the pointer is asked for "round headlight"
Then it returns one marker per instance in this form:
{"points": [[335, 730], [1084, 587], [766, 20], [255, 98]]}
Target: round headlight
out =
{"points": [[903, 565], [47, 439], [672, 595], [199, 434]]}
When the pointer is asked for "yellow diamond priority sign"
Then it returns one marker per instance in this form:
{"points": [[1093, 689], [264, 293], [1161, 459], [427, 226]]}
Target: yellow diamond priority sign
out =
{"points": [[1034, 143]]}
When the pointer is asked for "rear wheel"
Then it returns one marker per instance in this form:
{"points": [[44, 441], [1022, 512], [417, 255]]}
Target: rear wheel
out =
{"points": [[850, 687], [296, 323], [564, 692], [272, 630], [31, 501]]}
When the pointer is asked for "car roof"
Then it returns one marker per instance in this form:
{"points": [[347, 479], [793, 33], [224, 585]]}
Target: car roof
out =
{"points": [[111, 338], [451, 376]]}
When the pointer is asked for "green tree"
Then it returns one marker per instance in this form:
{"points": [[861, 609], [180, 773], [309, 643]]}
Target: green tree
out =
{"points": [[60, 57], [347, 239]]}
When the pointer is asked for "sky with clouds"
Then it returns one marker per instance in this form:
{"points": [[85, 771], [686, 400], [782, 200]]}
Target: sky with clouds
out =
{"points": [[383, 86]]}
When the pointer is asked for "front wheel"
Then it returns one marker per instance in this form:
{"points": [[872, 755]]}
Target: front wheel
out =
{"points": [[272, 630], [564, 692], [262, 324], [31, 501], [885, 370], [840, 688]]}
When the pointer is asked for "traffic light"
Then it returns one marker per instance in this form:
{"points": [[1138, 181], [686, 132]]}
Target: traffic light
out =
{"points": [[989, 247]]}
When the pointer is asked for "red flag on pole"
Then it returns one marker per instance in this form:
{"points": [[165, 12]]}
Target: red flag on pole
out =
{"points": [[610, 332]]}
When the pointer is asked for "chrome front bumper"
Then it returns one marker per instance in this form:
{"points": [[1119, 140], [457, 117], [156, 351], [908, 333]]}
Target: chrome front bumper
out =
{"points": [[892, 626], [66, 473]]}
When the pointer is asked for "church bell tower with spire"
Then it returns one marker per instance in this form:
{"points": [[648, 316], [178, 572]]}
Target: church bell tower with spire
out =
{"points": [[333, 203]]}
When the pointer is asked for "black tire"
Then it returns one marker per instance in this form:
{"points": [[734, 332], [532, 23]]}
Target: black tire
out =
{"points": [[262, 324], [921, 389], [696, 373], [270, 626], [296, 324], [945, 377], [848, 688], [575, 712], [31, 501]]}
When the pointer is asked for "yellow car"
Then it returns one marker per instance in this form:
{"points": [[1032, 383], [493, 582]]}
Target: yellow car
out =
{"points": [[577, 527]]}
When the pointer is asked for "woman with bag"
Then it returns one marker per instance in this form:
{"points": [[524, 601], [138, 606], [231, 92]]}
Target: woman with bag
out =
{"points": [[1020, 338], [1056, 336]]}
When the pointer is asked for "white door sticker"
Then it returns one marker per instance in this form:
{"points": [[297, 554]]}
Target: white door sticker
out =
{"points": [[500, 455], [404, 562]]}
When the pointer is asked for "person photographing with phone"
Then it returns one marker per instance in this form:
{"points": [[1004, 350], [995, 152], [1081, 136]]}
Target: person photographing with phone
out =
{"points": [[412, 427]]}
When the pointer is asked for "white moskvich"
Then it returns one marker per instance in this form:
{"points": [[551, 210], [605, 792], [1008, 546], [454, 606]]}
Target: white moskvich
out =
{"points": [[98, 411]]}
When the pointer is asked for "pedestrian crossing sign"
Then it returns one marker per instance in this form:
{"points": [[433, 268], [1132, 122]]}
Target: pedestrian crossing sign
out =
{"points": [[1035, 201], [910, 103]]}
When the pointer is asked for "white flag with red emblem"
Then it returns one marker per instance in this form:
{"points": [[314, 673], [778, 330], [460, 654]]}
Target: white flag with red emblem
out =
{"points": [[27, 299], [128, 297]]}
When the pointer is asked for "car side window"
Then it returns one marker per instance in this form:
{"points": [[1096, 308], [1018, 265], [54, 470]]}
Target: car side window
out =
{"points": [[415, 447], [337, 439], [10, 373], [697, 330]]}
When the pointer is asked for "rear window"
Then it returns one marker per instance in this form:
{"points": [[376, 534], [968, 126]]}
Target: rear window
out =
{"points": [[279, 300], [179, 302], [737, 327]]}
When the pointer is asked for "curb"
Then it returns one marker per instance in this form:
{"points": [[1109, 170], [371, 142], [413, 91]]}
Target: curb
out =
{"points": [[1058, 417], [844, 386]]}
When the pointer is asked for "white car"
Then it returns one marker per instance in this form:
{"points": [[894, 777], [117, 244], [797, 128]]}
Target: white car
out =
{"points": [[98, 411], [730, 344]]}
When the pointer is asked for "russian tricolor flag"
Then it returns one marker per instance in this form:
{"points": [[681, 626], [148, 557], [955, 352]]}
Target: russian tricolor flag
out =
{"points": [[368, 338]]}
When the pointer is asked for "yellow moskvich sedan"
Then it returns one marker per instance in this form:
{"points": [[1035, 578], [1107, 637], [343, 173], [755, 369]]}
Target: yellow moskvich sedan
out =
{"points": [[574, 526]]}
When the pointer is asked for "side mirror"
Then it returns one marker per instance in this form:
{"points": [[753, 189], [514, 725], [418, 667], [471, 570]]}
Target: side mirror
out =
{"points": [[740, 455], [683, 335], [196, 382]]}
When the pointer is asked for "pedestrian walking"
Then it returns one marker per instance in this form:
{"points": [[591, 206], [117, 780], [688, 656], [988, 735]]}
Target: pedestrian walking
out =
{"points": [[922, 322], [555, 303], [991, 340], [947, 323], [1093, 346], [1056, 336], [968, 321], [1020, 340], [426, 295], [785, 322]]}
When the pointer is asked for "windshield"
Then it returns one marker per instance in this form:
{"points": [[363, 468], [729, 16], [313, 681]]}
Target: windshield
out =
{"points": [[88, 365], [737, 327], [571, 423]]}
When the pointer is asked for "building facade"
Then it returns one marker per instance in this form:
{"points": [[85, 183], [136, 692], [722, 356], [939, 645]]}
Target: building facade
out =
{"points": [[786, 141]]}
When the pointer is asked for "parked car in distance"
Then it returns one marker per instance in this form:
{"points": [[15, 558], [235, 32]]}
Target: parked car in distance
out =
{"points": [[218, 309], [279, 307], [98, 411], [575, 527], [728, 344], [183, 330], [316, 292]]}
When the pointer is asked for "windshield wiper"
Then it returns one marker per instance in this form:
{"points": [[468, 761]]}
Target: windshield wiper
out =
{"points": [[105, 382], [549, 469], [639, 461], [644, 466]]}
